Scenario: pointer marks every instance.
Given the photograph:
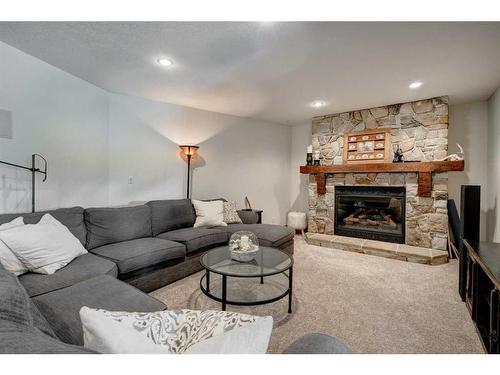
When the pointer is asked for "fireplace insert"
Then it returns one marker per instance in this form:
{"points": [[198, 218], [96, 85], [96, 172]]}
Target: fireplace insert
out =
{"points": [[371, 212]]}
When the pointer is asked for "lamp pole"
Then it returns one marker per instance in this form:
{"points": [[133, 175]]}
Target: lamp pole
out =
{"points": [[189, 174], [189, 151]]}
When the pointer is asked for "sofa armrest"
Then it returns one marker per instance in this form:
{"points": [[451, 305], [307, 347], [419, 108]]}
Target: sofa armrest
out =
{"points": [[248, 217]]}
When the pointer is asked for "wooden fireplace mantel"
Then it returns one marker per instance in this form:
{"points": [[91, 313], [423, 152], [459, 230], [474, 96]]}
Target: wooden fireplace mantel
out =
{"points": [[423, 169]]}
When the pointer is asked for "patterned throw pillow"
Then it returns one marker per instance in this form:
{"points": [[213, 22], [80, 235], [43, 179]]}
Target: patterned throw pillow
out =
{"points": [[230, 214], [175, 332]]}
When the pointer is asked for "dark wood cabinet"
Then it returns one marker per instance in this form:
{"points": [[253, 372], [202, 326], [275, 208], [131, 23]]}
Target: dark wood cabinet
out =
{"points": [[482, 292]]}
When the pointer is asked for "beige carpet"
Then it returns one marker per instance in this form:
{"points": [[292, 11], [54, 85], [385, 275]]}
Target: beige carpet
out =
{"points": [[375, 305]]}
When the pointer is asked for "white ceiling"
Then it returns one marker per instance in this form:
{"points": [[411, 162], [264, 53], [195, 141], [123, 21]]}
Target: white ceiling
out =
{"points": [[272, 71]]}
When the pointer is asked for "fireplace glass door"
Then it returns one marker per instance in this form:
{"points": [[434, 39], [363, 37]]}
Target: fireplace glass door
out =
{"points": [[371, 212]]}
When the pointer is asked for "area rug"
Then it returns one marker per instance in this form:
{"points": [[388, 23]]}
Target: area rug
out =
{"points": [[373, 304]]}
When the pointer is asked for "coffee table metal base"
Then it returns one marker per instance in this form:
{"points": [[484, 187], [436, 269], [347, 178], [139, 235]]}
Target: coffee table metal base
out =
{"points": [[224, 301]]}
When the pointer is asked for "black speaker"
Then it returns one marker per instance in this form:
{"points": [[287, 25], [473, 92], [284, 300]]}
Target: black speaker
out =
{"points": [[470, 213]]}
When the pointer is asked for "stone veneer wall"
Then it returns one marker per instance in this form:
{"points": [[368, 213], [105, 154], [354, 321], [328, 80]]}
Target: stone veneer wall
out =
{"points": [[421, 130]]}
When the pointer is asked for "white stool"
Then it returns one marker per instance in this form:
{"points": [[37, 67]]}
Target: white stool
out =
{"points": [[297, 221]]}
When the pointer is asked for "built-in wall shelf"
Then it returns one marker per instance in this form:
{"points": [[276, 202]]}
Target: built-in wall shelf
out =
{"points": [[423, 169]]}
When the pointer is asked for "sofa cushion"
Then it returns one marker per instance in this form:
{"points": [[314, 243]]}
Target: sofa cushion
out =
{"points": [[82, 268], [268, 234], [171, 214], [196, 239], [141, 253], [72, 218], [62, 307], [111, 225]]}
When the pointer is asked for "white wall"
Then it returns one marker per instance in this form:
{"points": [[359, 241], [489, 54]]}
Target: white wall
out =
{"points": [[468, 126], [237, 157], [301, 138], [493, 167], [64, 119]]}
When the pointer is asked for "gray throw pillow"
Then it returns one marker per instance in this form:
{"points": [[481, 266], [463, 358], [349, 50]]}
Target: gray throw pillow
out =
{"points": [[230, 214]]}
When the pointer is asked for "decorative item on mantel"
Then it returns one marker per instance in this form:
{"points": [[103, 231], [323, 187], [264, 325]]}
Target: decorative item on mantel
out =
{"points": [[455, 157], [398, 154], [367, 146], [309, 155], [316, 157], [243, 246]]}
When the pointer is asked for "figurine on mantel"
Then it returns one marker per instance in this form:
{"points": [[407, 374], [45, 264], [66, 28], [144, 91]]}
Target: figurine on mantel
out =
{"points": [[398, 154], [309, 156], [316, 157]]}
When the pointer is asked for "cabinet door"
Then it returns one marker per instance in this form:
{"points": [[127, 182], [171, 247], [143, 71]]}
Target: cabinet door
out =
{"points": [[495, 322]]}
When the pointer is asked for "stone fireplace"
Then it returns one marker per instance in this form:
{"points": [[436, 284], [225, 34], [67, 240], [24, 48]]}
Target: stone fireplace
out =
{"points": [[420, 129]]}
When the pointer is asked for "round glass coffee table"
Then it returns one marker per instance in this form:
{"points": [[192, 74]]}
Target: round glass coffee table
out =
{"points": [[268, 262]]}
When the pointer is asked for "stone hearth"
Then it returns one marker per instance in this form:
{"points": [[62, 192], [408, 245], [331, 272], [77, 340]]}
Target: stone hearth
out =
{"points": [[421, 130], [413, 254]]}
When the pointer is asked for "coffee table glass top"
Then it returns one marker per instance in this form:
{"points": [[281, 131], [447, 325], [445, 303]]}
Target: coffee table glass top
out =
{"points": [[269, 261]]}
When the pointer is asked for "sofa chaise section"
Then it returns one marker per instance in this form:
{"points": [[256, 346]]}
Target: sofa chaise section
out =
{"points": [[23, 329], [61, 308]]}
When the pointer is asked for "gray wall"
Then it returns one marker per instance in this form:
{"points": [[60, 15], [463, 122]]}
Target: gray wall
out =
{"points": [[301, 138], [238, 157], [493, 167], [469, 127]]}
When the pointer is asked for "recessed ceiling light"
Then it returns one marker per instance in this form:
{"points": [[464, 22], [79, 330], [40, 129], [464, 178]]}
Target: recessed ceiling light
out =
{"points": [[318, 104], [165, 62], [415, 85]]}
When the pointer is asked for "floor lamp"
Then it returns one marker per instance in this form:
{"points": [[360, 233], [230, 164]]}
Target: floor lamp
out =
{"points": [[34, 170], [189, 151]]}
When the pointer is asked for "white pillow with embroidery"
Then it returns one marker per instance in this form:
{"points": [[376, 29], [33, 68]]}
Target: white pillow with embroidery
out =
{"points": [[175, 332], [8, 259]]}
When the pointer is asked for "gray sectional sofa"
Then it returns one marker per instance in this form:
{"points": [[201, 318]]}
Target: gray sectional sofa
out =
{"points": [[147, 246], [132, 250]]}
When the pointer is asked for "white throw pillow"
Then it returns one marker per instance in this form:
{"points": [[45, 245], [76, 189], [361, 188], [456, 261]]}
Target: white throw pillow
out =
{"points": [[175, 332], [44, 247], [209, 214], [8, 259]]}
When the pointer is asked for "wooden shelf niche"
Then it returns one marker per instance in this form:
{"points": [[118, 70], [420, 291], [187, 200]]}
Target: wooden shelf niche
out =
{"points": [[423, 169]]}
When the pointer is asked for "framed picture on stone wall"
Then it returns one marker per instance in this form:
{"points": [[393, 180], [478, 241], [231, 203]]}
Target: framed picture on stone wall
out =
{"points": [[367, 146]]}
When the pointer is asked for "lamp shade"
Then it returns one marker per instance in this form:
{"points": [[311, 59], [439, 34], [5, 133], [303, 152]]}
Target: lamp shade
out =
{"points": [[189, 150]]}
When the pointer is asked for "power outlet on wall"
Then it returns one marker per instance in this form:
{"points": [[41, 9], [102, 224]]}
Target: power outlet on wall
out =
{"points": [[130, 180]]}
